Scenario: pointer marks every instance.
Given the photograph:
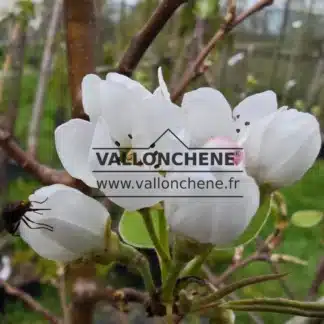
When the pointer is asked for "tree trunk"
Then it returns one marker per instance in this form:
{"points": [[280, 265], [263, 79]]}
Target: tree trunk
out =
{"points": [[80, 41]]}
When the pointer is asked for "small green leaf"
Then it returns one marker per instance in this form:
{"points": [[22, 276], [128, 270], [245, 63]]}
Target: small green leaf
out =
{"points": [[133, 231], [306, 218]]}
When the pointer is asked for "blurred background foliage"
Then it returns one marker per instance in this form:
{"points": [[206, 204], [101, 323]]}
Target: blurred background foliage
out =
{"points": [[280, 48]]}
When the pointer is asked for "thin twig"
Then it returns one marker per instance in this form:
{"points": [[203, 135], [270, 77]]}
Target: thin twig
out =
{"points": [[283, 284], [317, 281], [141, 41], [230, 22], [62, 292], [90, 294], [34, 127], [239, 265], [41, 172], [30, 302]]}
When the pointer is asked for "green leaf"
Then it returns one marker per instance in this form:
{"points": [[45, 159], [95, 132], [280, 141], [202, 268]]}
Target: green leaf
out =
{"points": [[306, 218], [133, 231]]}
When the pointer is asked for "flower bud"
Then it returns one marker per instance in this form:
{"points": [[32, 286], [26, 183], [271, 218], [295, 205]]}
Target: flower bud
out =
{"points": [[281, 147]]}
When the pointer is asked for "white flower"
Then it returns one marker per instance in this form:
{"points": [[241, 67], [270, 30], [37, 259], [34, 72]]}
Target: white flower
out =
{"points": [[235, 59], [297, 24], [6, 268], [290, 84], [281, 147], [70, 225], [123, 114], [210, 214], [209, 115]]}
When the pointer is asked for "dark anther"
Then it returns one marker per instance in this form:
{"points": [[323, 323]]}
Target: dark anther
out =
{"points": [[247, 123], [130, 136], [117, 143], [238, 130], [237, 116], [156, 166]]}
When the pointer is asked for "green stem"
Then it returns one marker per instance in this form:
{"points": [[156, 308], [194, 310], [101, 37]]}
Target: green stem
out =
{"points": [[278, 309], [311, 306], [195, 265], [153, 236], [169, 313], [164, 239], [170, 282], [127, 255], [217, 296]]}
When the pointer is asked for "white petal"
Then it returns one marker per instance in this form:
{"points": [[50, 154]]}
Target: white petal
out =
{"points": [[78, 222], [128, 83], [157, 119], [91, 96], [221, 146], [163, 87], [118, 103], [217, 220], [131, 187], [46, 191], [252, 109], [102, 148], [44, 246], [72, 141], [282, 147], [208, 115]]}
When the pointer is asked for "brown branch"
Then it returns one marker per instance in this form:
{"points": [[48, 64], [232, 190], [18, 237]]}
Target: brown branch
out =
{"points": [[80, 42], [141, 42], [87, 294], [256, 319], [239, 265], [230, 23], [263, 253], [317, 281], [43, 173], [30, 302]]}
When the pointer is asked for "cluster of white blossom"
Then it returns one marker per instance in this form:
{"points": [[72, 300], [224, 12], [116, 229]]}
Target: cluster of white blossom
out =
{"points": [[279, 146]]}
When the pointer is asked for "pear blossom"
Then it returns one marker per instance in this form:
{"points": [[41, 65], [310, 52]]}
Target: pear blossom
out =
{"points": [[290, 84], [279, 145], [123, 115], [6, 268], [70, 224], [297, 24], [235, 59], [212, 214]]}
